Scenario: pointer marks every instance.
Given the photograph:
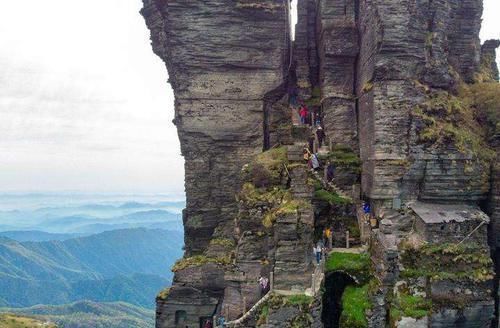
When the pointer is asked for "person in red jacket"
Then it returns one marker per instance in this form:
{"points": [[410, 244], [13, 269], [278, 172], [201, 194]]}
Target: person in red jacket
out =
{"points": [[303, 114]]}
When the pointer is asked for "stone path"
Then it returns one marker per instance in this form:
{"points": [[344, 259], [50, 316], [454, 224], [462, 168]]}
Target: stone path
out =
{"points": [[330, 186], [239, 322], [354, 250]]}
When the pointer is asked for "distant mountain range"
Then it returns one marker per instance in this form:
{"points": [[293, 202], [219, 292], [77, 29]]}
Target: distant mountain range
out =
{"points": [[79, 253], [36, 235], [85, 314], [76, 224], [128, 265]]}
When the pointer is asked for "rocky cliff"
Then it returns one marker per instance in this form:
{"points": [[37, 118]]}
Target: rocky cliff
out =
{"points": [[406, 95]]}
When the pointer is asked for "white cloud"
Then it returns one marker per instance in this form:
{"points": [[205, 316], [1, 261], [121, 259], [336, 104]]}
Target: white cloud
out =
{"points": [[84, 102]]}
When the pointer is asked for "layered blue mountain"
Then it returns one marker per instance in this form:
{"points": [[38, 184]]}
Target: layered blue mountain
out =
{"points": [[128, 265], [91, 314]]}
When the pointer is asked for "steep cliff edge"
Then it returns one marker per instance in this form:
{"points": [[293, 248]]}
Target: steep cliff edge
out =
{"points": [[406, 95]]}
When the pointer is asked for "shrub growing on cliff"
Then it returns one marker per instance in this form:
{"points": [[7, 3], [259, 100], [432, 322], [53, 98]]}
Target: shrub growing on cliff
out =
{"points": [[451, 120], [200, 260], [163, 294], [485, 98], [267, 167]]}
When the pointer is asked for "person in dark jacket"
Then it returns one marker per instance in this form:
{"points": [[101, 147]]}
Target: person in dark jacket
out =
{"points": [[320, 134], [330, 172]]}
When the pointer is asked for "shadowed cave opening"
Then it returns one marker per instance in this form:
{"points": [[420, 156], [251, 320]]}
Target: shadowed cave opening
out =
{"points": [[335, 285]]}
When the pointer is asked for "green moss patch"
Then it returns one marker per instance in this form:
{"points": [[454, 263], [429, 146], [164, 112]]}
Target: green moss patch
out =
{"points": [[267, 168], [286, 207], [223, 242], [200, 260], [302, 300], [450, 120], [343, 155], [411, 306], [357, 265], [276, 302], [355, 303], [331, 197], [447, 262]]}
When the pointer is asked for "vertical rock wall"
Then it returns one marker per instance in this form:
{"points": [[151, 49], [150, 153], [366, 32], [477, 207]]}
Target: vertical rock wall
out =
{"points": [[376, 63], [338, 51], [228, 63], [404, 44], [223, 58]]}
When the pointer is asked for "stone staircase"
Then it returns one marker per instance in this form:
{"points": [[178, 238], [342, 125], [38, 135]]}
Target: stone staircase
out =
{"points": [[330, 186], [250, 313]]}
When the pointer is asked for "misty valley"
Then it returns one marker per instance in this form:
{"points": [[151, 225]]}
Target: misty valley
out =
{"points": [[93, 262]]}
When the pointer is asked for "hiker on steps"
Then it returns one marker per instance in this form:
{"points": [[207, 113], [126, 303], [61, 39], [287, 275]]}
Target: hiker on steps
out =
{"points": [[307, 156], [264, 286], [328, 237], [293, 94], [330, 172], [317, 254], [303, 113], [315, 162], [320, 135]]}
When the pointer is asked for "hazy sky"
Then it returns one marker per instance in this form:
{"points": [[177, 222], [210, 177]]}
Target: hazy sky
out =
{"points": [[84, 103]]}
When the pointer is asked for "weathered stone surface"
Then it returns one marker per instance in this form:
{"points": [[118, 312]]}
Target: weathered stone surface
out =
{"points": [[337, 51], [488, 57], [413, 323], [478, 314], [373, 63]]}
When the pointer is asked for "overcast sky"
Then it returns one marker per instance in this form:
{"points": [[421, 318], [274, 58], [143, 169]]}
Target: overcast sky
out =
{"points": [[84, 103]]}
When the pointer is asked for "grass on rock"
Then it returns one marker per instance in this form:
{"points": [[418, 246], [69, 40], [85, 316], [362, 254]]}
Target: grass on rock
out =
{"points": [[355, 303]]}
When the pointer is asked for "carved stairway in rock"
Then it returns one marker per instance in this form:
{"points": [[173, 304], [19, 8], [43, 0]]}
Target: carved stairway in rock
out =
{"points": [[253, 310]]}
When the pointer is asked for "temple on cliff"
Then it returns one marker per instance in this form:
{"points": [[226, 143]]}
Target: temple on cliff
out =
{"points": [[396, 84]]}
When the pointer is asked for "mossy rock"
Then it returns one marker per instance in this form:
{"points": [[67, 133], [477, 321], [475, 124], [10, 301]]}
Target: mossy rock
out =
{"points": [[199, 260], [411, 306], [451, 121], [343, 156], [465, 262], [267, 168], [163, 295], [331, 198], [356, 265]]}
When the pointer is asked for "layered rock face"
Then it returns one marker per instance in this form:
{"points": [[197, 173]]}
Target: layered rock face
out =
{"points": [[404, 44], [223, 58], [228, 63], [385, 80], [338, 50]]}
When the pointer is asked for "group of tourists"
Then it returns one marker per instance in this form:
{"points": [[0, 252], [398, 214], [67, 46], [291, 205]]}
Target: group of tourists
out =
{"points": [[323, 245], [311, 159]]}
